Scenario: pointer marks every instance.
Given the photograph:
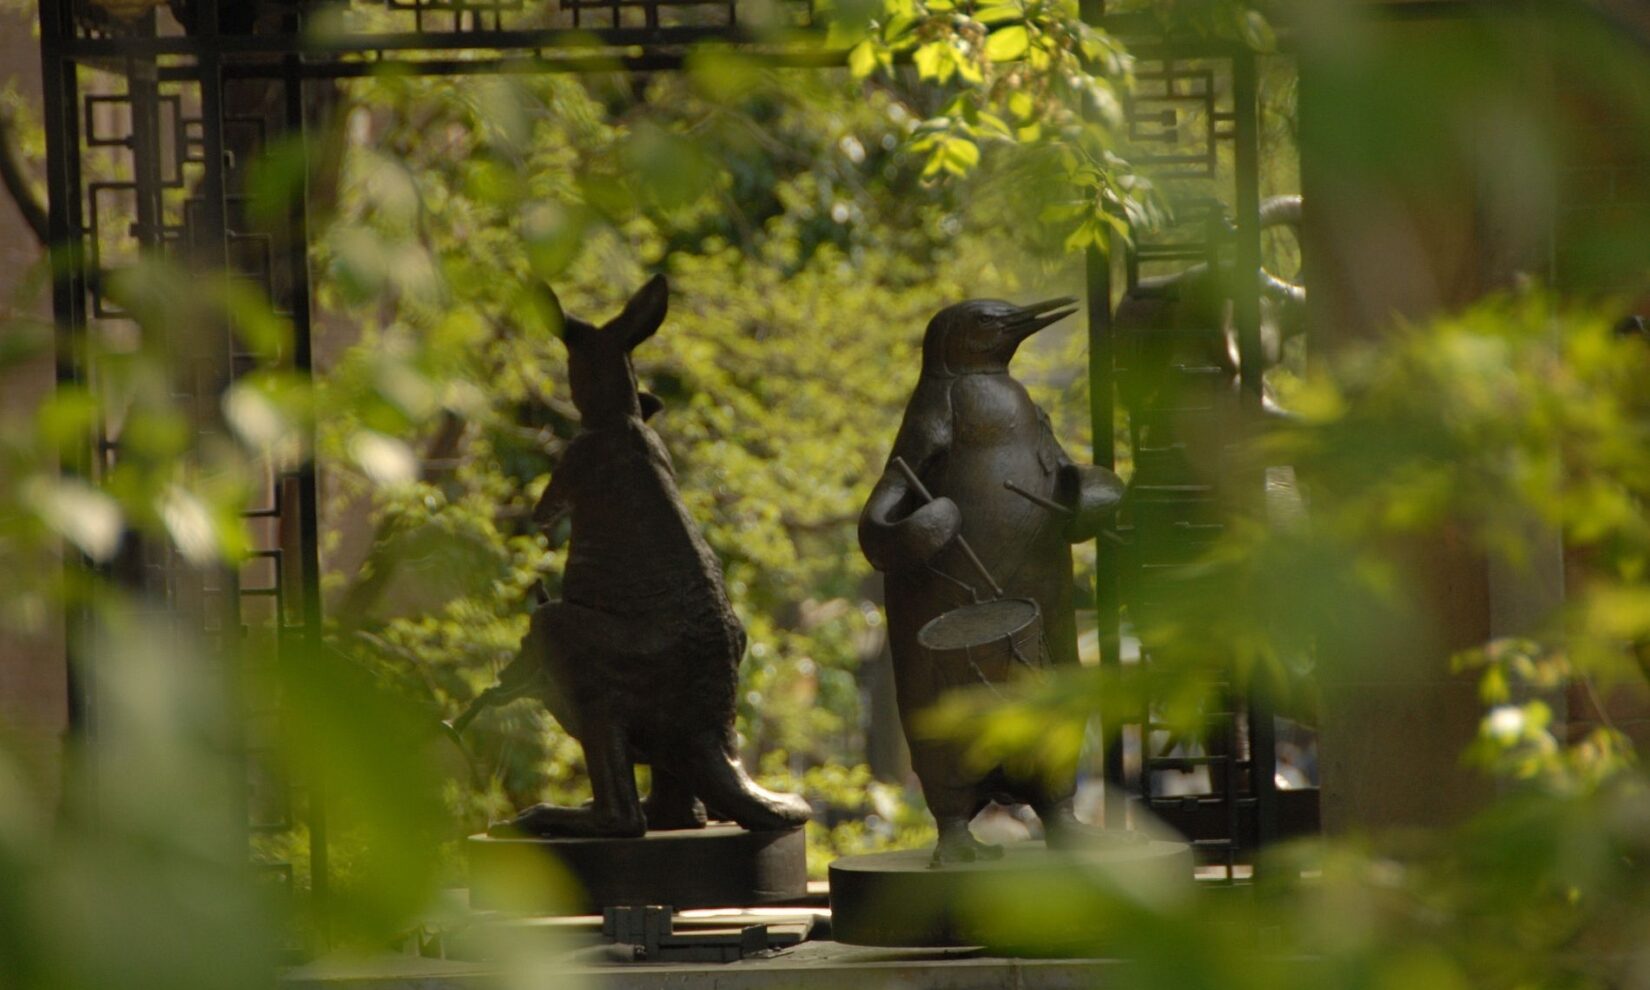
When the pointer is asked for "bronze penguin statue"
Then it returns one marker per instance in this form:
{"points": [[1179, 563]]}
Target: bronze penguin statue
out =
{"points": [[969, 428]]}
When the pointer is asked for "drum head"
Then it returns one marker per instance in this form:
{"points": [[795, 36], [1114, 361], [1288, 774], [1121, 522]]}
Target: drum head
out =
{"points": [[973, 625]]}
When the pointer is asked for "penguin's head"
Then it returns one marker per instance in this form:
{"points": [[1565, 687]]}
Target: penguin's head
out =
{"points": [[983, 334]]}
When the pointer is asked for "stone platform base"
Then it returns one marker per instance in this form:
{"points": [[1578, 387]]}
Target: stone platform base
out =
{"points": [[1013, 904], [721, 865]]}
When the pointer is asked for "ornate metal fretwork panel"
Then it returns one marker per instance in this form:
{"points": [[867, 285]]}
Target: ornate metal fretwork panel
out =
{"points": [[1180, 116], [147, 157], [1193, 122]]}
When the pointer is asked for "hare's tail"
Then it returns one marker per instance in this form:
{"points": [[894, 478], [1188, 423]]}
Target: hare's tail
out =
{"points": [[722, 783]]}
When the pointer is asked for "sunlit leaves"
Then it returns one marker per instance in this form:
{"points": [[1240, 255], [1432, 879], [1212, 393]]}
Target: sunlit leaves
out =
{"points": [[272, 413], [1515, 422], [1007, 43], [1519, 737], [865, 58], [190, 525], [947, 152], [86, 517], [496, 182], [1017, 73], [386, 460], [504, 110]]}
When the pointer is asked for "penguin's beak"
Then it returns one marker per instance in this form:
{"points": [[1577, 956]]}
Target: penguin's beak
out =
{"points": [[1030, 319]]}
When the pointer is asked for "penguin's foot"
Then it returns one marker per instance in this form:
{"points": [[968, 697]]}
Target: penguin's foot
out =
{"points": [[958, 845], [1064, 831]]}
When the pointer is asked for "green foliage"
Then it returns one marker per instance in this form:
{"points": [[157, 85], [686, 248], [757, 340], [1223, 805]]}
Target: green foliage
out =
{"points": [[1514, 420], [1031, 78], [138, 879], [854, 812], [1537, 893], [1518, 411]]}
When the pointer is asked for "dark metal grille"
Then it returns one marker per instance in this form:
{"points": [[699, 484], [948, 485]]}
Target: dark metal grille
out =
{"points": [[1194, 121], [1176, 117], [146, 154]]}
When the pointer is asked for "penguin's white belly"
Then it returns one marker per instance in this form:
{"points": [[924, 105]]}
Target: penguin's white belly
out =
{"points": [[991, 411], [996, 437]]}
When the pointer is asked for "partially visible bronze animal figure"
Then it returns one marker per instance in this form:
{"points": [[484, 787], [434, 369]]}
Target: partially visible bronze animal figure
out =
{"points": [[639, 660], [969, 429], [1197, 298]]}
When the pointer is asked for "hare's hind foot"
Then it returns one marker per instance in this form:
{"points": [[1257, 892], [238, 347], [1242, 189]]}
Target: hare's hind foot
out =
{"points": [[615, 811], [548, 821], [718, 775], [671, 805]]}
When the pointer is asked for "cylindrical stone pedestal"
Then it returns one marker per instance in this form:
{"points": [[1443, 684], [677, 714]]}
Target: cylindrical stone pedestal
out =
{"points": [[1010, 904], [721, 865]]}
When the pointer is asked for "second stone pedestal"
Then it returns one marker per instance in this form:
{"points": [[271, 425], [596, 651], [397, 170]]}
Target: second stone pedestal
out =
{"points": [[1031, 900]]}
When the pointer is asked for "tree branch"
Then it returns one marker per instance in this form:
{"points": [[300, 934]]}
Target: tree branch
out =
{"points": [[16, 181]]}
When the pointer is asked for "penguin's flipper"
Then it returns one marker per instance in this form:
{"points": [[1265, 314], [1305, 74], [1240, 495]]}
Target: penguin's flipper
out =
{"points": [[912, 540], [1050, 454], [1091, 492], [897, 530]]}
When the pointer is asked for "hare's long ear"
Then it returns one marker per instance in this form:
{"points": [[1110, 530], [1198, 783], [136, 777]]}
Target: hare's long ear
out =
{"points": [[544, 299], [643, 313]]}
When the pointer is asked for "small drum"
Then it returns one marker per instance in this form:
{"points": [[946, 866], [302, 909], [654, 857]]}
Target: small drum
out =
{"points": [[986, 642]]}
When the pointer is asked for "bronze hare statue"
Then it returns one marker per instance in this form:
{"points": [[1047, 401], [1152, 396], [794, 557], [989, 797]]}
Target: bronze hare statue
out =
{"points": [[639, 660]]}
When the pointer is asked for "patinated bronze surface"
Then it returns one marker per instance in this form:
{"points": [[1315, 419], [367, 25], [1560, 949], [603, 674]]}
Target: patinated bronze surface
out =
{"points": [[639, 659], [976, 443]]}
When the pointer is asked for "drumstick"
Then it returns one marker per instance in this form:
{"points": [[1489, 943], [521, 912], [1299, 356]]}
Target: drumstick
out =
{"points": [[968, 551], [1046, 503]]}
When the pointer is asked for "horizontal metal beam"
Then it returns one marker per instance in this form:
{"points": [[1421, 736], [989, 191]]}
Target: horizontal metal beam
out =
{"points": [[654, 61], [408, 41], [802, 48]]}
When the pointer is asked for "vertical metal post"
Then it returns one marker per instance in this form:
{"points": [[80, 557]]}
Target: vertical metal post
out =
{"points": [[309, 527], [210, 249], [1102, 423], [1246, 314], [143, 90], [1245, 286], [65, 227]]}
